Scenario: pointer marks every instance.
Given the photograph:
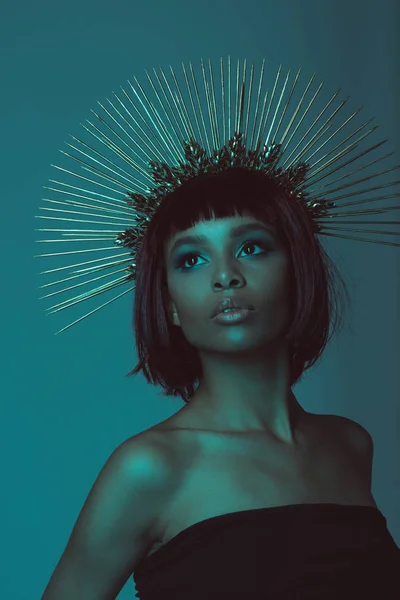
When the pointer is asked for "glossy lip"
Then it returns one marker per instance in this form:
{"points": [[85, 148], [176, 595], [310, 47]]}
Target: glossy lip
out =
{"points": [[229, 303], [231, 318]]}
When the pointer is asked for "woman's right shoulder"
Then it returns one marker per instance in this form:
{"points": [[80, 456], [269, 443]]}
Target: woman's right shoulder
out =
{"points": [[153, 450]]}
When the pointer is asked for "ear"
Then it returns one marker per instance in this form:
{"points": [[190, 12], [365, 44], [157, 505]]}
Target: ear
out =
{"points": [[170, 307], [173, 315]]}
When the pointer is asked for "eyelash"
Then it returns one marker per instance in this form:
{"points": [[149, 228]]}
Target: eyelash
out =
{"points": [[184, 257]]}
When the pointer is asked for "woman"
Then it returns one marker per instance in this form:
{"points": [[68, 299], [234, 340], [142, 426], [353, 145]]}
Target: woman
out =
{"points": [[245, 453], [241, 493]]}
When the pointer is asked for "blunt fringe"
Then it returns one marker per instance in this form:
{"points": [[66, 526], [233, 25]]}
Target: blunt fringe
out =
{"points": [[165, 356]]}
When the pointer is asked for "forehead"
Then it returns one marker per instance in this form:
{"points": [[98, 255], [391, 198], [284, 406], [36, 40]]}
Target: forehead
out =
{"points": [[222, 223], [217, 229]]}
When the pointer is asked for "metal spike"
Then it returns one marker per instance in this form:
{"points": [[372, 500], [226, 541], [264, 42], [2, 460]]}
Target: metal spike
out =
{"points": [[324, 127], [229, 96], [86, 295], [256, 115], [267, 142], [189, 125], [217, 142], [161, 129], [81, 251], [177, 130], [95, 310], [278, 106], [223, 101], [357, 239], [118, 211], [80, 284], [77, 212], [179, 103], [86, 262], [108, 143], [87, 201]]}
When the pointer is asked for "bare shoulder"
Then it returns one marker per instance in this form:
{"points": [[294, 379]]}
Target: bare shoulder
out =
{"points": [[150, 452], [357, 435], [114, 528], [359, 448]]}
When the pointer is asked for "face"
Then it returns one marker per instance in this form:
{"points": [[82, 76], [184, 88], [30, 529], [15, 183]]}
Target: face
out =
{"points": [[251, 266]]}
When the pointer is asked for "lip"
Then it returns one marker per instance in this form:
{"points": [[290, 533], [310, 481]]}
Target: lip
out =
{"points": [[230, 303], [234, 317]]}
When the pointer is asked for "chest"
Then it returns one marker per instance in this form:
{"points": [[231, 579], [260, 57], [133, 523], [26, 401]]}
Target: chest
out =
{"points": [[222, 475]]}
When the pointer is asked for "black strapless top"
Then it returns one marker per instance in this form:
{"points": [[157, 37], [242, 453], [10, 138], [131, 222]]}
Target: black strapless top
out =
{"points": [[295, 552]]}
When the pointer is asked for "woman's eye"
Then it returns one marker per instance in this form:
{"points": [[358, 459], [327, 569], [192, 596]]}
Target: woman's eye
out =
{"points": [[189, 255]]}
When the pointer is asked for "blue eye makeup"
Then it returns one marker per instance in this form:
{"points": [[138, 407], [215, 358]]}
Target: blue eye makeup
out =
{"points": [[181, 259]]}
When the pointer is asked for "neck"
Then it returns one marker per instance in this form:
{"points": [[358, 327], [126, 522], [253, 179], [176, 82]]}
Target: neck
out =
{"points": [[278, 418]]}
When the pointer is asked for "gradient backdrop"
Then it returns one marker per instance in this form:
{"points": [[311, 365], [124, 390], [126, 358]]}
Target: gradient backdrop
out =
{"points": [[65, 404]]}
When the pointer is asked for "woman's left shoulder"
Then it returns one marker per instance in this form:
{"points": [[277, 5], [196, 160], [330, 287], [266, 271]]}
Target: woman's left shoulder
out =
{"points": [[357, 435]]}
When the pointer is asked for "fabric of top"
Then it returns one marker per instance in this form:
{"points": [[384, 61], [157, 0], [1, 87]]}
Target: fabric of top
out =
{"points": [[295, 552]]}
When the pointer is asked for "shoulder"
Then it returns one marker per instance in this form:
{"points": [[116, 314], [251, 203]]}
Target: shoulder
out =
{"points": [[359, 442], [360, 439], [149, 451]]}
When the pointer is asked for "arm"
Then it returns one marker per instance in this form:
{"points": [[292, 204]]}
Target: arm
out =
{"points": [[112, 532]]}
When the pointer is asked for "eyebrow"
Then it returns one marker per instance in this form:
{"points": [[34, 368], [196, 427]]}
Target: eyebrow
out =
{"points": [[234, 233]]}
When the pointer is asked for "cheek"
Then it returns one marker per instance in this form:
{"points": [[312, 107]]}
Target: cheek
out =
{"points": [[188, 295], [277, 285], [277, 304], [187, 308]]}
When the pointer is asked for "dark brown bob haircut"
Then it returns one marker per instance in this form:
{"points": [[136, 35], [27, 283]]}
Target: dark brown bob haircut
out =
{"points": [[165, 356]]}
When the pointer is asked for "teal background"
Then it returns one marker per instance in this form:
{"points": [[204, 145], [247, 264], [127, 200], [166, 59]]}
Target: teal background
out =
{"points": [[65, 403]]}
